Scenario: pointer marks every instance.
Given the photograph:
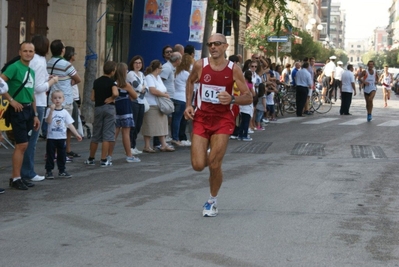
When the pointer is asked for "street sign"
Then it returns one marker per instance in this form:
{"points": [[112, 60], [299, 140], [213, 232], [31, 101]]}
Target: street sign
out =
{"points": [[286, 47], [277, 39]]}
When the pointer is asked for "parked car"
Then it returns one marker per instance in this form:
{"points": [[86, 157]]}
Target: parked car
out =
{"points": [[395, 84]]}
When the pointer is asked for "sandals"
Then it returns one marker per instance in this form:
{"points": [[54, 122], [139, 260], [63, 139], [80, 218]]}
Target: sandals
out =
{"points": [[167, 149], [148, 150]]}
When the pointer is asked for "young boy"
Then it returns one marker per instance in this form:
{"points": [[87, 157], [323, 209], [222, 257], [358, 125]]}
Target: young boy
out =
{"points": [[58, 120], [104, 93]]}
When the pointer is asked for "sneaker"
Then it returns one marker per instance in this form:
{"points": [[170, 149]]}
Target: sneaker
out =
{"points": [[37, 178], [369, 117], [185, 143], [106, 163], [49, 175], [233, 137], [168, 139], [64, 174], [27, 183], [260, 128], [210, 210], [72, 154], [250, 131], [18, 184], [246, 139], [109, 158], [135, 151], [265, 120], [132, 159], [89, 162], [69, 159], [158, 147], [2, 191]]}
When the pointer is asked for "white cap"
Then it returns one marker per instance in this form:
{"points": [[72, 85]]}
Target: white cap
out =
{"points": [[333, 57], [340, 63], [3, 86]]}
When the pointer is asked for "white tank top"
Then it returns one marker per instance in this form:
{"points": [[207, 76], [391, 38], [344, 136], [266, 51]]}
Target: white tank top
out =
{"points": [[372, 82], [386, 82]]}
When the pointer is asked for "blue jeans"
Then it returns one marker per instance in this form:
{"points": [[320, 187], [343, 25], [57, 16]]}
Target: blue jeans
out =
{"points": [[245, 119], [28, 164], [177, 115]]}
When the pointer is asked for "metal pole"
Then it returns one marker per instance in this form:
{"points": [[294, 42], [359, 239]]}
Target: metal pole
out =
{"points": [[276, 51]]}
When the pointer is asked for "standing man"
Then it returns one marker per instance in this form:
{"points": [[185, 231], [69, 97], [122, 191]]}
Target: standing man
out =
{"points": [[24, 117], [347, 89], [67, 77], [328, 80], [337, 79], [369, 79], [297, 66], [213, 120], [303, 81]]}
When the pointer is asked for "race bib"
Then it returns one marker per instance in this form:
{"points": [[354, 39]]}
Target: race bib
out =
{"points": [[210, 93]]}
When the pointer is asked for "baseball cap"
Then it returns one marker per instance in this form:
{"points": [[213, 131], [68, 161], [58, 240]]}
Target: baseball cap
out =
{"points": [[3, 86], [333, 57], [340, 63]]}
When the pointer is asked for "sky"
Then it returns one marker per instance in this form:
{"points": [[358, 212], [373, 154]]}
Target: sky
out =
{"points": [[363, 16]]}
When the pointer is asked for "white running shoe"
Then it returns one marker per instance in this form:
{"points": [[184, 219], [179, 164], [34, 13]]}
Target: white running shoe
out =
{"points": [[37, 178], [168, 139], [210, 210], [132, 159], [186, 142], [135, 151]]}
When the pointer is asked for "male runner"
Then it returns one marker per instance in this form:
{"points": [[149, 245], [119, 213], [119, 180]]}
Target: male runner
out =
{"points": [[213, 119]]}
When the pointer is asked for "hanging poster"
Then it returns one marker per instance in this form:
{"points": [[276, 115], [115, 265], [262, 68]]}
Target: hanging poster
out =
{"points": [[157, 15], [197, 21]]}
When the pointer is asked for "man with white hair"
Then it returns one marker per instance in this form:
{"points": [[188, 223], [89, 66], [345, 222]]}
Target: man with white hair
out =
{"points": [[337, 80]]}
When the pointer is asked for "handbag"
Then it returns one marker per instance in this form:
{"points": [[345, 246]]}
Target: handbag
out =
{"points": [[7, 113], [165, 105], [146, 105]]}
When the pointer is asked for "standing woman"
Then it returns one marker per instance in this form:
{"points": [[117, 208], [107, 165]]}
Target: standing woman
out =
{"points": [[386, 79], [124, 113], [42, 84], [369, 78], [155, 123], [137, 79], [179, 98]]}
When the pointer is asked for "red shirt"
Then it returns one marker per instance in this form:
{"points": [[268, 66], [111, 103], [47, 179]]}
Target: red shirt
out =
{"points": [[211, 84]]}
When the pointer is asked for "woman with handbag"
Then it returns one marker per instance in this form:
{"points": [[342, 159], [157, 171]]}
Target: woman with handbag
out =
{"points": [[155, 123], [137, 79]]}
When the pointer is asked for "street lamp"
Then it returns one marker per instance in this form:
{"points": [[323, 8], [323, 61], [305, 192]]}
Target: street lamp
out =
{"points": [[311, 28]]}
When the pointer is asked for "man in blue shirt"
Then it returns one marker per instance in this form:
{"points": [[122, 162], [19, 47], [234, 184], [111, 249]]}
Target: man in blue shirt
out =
{"points": [[303, 81]]}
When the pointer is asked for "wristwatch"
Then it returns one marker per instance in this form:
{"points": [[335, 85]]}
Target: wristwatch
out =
{"points": [[36, 114], [233, 99]]}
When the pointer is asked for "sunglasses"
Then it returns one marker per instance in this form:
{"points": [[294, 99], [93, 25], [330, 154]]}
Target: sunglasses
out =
{"points": [[217, 43], [254, 66], [169, 51]]}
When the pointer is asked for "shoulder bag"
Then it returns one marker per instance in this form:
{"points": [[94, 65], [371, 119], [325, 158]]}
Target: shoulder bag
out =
{"points": [[165, 105]]}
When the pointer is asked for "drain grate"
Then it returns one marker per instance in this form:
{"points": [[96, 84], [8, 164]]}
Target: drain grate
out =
{"points": [[368, 152], [308, 149], [253, 147]]}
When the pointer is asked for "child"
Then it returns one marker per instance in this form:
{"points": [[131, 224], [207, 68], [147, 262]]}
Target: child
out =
{"points": [[270, 103], [246, 111], [104, 94], [58, 120], [261, 106]]}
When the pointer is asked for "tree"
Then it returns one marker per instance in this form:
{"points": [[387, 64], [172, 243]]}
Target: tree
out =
{"points": [[276, 13], [91, 58]]}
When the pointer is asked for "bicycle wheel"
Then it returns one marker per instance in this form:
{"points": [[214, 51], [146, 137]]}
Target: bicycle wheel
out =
{"points": [[289, 105], [325, 106], [315, 101]]}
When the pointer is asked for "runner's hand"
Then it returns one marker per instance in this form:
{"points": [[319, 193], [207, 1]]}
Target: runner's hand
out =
{"points": [[224, 98], [189, 113]]}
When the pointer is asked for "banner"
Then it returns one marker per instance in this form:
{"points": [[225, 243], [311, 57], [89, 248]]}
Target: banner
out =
{"points": [[157, 15], [197, 21], [3, 106]]}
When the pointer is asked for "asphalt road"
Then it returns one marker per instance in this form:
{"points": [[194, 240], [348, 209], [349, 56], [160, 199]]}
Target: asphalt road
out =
{"points": [[316, 191]]}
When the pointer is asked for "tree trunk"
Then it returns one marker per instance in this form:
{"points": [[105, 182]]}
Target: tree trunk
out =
{"points": [[208, 28], [91, 58], [236, 24]]}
